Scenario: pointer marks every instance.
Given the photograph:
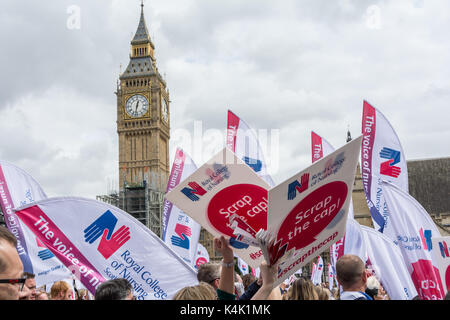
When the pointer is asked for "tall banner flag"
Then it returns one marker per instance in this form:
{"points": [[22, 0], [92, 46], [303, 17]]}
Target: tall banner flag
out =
{"points": [[18, 188], [180, 232], [331, 277], [313, 272], [308, 212], [201, 257], [354, 240], [441, 254], [98, 242], [387, 262], [222, 189], [243, 267], [413, 229], [382, 158], [319, 271], [242, 140]]}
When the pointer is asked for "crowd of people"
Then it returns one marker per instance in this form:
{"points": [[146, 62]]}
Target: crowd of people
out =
{"points": [[216, 281]]}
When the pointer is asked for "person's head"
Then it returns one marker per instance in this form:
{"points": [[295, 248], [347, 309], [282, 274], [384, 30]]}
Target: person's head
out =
{"points": [[302, 289], [202, 291], [209, 273], [372, 287], [115, 289], [351, 273], [247, 280], [61, 290], [322, 293], [41, 295], [30, 283], [83, 294], [11, 267]]}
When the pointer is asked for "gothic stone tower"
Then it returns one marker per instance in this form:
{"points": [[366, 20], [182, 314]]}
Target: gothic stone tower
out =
{"points": [[143, 120]]}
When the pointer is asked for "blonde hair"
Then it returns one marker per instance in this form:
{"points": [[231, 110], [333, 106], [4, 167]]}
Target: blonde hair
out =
{"points": [[202, 291], [302, 289], [322, 293], [57, 287]]}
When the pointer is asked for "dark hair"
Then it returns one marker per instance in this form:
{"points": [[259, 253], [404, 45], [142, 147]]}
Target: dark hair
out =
{"points": [[372, 292], [349, 269], [115, 289], [5, 234]]}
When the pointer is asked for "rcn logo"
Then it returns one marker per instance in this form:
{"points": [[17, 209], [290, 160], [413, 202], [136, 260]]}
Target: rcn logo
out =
{"points": [[104, 227], [444, 249], [425, 236], [182, 240], [388, 167], [193, 191], [298, 186]]}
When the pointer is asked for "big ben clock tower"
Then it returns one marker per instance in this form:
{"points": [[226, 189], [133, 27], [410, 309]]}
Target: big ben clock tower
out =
{"points": [[143, 117]]}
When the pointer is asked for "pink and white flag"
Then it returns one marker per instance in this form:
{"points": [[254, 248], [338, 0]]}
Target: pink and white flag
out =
{"points": [[387, 262], [382, 158], [413, 229], [313, 272], [201, 257], [318, 272], [331, 277], [242, 140], [243, 266], [180, 231], [441, 255], [98, 242], [18, 188]]}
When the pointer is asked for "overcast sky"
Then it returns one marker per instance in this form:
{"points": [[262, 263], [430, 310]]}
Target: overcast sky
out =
{"points": [[288, 66]]}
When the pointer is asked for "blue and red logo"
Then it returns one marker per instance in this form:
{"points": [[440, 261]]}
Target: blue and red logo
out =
{"points": [[45, 253], [444, 249], [389, 167], [297, 186], [193, 191], [425, 237], [182, 240], [104, 227]]}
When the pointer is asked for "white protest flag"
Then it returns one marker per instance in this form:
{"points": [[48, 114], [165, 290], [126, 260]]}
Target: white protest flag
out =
{"points": [[243, 267], [18, 188], [180, 232], [441, 255], [313, 272], [387, 262], [382, 158], [354, 242], [201, 257], [308, 212], [242, 140], [224, 187], [331, 277], [98, 242], [319, 271], [413, 229]]}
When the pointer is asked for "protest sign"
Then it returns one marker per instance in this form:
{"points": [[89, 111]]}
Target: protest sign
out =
{"points": [[180, 232], [18, 188], [223, 187], [98, 242], [308, 212], [441, 255]]}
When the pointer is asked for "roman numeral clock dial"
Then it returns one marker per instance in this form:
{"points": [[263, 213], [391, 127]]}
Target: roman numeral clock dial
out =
{"points": [[137, 106]]}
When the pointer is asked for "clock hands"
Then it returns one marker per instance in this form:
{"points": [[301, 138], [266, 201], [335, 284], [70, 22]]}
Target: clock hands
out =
{"points": [[137, 105]]}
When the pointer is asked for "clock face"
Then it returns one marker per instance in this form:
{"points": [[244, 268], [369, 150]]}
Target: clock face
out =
{"points": [[164, 109], [137, 106]]}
